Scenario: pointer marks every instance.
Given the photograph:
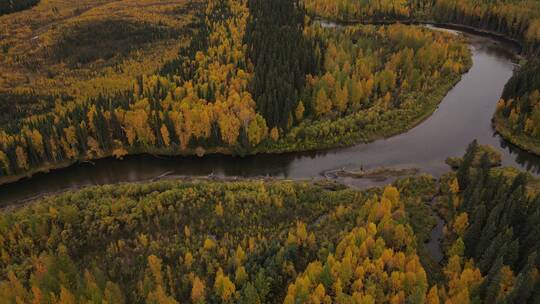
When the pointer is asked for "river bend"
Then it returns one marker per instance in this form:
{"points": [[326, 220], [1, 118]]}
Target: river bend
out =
{"points": [[464, 115]]}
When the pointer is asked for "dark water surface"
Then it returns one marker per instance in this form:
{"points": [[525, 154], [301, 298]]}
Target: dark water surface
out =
{"points": [[464, 115]]}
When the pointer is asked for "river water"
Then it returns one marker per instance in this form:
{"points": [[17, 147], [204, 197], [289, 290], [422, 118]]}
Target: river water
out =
{"points": [[464, 115]]}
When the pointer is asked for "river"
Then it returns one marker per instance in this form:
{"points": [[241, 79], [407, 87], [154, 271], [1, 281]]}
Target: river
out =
{"points": [[464, 115]]}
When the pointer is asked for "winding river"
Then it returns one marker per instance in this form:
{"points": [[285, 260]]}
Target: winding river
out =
{"points": [[464, 115]]}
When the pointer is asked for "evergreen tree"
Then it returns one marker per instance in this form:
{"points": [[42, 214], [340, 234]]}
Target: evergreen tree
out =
{"points": [[465, 167]]}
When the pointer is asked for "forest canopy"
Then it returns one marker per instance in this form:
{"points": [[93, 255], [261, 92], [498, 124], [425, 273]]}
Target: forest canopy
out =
{"points": [[519, 19], [518, 111], [278, 241], [517, 118], [243, 77], [239, 88], [207, 242]]}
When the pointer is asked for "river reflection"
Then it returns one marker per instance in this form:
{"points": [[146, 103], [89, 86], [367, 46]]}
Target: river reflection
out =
{"points": [[464, 115]]}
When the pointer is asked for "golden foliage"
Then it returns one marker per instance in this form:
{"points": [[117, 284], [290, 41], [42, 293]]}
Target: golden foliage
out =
{"points": [[197, 291]]}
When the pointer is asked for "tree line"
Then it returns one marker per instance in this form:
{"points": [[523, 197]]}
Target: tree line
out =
{"points": [[494, 221], [518, 19], [349, 10], [519, 108]]}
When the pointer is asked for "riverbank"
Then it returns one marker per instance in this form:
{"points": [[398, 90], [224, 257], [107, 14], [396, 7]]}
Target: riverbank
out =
{"points": [[388, 124], [337, 142], [159, 178], [155, 152], [501, 125], [419, 213], [518, 45], [346, 131], [464, 115], [524, 142]]}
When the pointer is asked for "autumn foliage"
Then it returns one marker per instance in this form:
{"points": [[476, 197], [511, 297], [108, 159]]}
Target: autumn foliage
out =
{"points": [[217, 242], [204, 100]]}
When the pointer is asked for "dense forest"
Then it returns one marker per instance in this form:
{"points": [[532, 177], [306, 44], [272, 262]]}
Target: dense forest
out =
{"points": [[226, 92], [250, 76], [11, 6], [375, 81], [494, 221], [518, 111], [277, 242], [208, 242], [282, 56], [519, 19], [353, 10], [518, 117]]}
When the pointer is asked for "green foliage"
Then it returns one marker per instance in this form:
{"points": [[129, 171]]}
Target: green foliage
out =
{"points": [[502, 235], [518, 112], [282, 57], [524, 81], [518, 19]]}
